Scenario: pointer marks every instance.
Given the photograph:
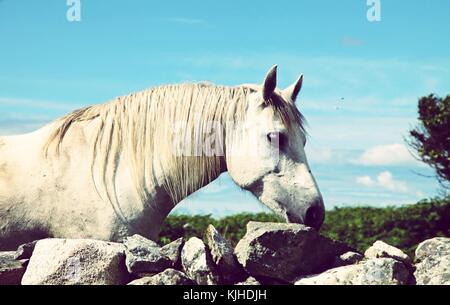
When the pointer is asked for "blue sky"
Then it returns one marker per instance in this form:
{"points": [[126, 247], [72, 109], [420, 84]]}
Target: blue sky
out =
{"points": [[362, 79]]}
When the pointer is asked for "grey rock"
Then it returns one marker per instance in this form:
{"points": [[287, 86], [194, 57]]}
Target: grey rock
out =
{"points": [[286, 251], [144, 256], [173, 252], [197, 263], [167, 277], [11, 270], [223, 256], [434, 247], [25, 251], [376, 271], [382, 249], [76, 262], [249, 281], [348, 258], [433, 262]]}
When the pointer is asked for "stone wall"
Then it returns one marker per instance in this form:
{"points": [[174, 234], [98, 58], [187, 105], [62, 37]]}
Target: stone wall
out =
{"points": [[269, 253]]}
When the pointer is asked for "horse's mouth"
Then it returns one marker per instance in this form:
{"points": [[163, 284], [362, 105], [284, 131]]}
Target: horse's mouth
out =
{"points": [[293, 218], [288, 216]]}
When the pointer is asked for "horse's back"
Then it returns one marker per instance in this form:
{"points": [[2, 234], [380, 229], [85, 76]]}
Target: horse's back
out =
{"points": [[17, 156], [6, 168]]}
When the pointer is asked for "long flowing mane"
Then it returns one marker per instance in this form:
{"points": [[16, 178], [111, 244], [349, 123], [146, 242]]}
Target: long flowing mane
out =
{"points": [[139, 128]]}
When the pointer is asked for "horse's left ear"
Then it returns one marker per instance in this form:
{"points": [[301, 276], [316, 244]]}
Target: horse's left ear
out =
{"points": [[270, 83], [293, 90]]}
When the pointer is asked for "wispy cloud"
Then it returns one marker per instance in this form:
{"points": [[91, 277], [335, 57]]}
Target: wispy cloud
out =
{"points": [[365, 180], [343, 75], [18, 124], [391, 154], [384, 180], [326, 155], [49, 105], [20, 115]]}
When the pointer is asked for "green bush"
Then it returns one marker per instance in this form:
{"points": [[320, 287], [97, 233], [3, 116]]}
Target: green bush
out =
{"points": [[231, 227], [403, 227]]}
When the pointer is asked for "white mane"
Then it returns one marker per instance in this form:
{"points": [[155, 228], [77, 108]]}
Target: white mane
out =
{"points": [[139, 127]]}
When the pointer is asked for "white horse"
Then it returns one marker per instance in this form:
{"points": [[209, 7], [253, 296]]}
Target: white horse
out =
{"points": [[115, 169]]}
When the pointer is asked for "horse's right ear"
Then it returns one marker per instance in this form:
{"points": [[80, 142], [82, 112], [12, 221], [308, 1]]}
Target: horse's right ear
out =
{"points": [[270, 83]]}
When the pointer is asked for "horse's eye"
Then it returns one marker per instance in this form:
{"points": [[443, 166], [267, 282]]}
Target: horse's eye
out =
{"points": [[277, 139]]}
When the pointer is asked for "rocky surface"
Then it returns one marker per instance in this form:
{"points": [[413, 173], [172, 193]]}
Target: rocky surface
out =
{"points": [[381, 249], [25, 251], [144, 256], [433, 262], [249, 281], [376, 271], [348, 258], [11, 270], [76, 262], [198, 264], [173, 252], [269, 254], [167, 277], [286, 251], [223, 256]]}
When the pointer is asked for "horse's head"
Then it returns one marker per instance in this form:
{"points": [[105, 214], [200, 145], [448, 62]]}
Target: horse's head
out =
{"points": [[266, 154]]}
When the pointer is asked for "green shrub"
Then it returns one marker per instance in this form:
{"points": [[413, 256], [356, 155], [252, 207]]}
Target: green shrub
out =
{"points": [[403, 227]]}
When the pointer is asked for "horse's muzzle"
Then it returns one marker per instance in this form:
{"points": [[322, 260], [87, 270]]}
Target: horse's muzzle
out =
{"points": [[313, 216]]}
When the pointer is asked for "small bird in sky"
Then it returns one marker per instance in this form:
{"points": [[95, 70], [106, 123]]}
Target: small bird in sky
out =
{"points": [[337, 107]]}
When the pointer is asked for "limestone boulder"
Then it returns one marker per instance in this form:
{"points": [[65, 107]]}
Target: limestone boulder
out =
{"points": [[198, 264], [286, 251], [76, 262]]}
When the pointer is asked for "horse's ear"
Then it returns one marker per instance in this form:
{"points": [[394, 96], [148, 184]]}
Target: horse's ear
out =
{"points": [[270, 83], [293, 90]]}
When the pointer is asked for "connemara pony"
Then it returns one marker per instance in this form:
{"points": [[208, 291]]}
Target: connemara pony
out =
{"points": [[108, 171]]}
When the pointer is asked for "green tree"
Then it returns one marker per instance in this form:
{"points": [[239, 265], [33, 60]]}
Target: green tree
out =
{"points": [[431, 137]]}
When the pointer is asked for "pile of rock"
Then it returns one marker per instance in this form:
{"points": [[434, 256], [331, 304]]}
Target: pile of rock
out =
{"points": [[269, 253]]}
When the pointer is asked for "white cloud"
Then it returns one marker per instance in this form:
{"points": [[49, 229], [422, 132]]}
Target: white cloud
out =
{"points": [[322, 155], [384, 180], [49, 105], [391, 154], [326, 155], [365, 180]]}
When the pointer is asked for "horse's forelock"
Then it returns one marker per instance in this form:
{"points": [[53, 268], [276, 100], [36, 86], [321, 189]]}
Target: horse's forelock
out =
{"points": [[286, 111]]}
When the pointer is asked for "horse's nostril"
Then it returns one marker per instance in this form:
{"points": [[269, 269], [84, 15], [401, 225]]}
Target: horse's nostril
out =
{"points": [[314, 217]]}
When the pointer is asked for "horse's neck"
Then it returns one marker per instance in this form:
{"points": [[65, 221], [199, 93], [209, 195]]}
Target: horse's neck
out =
{"points": [[191, 182]]}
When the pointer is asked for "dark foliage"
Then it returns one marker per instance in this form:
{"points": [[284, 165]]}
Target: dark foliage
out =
{"points": [[431, 137], [403, 227]]}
